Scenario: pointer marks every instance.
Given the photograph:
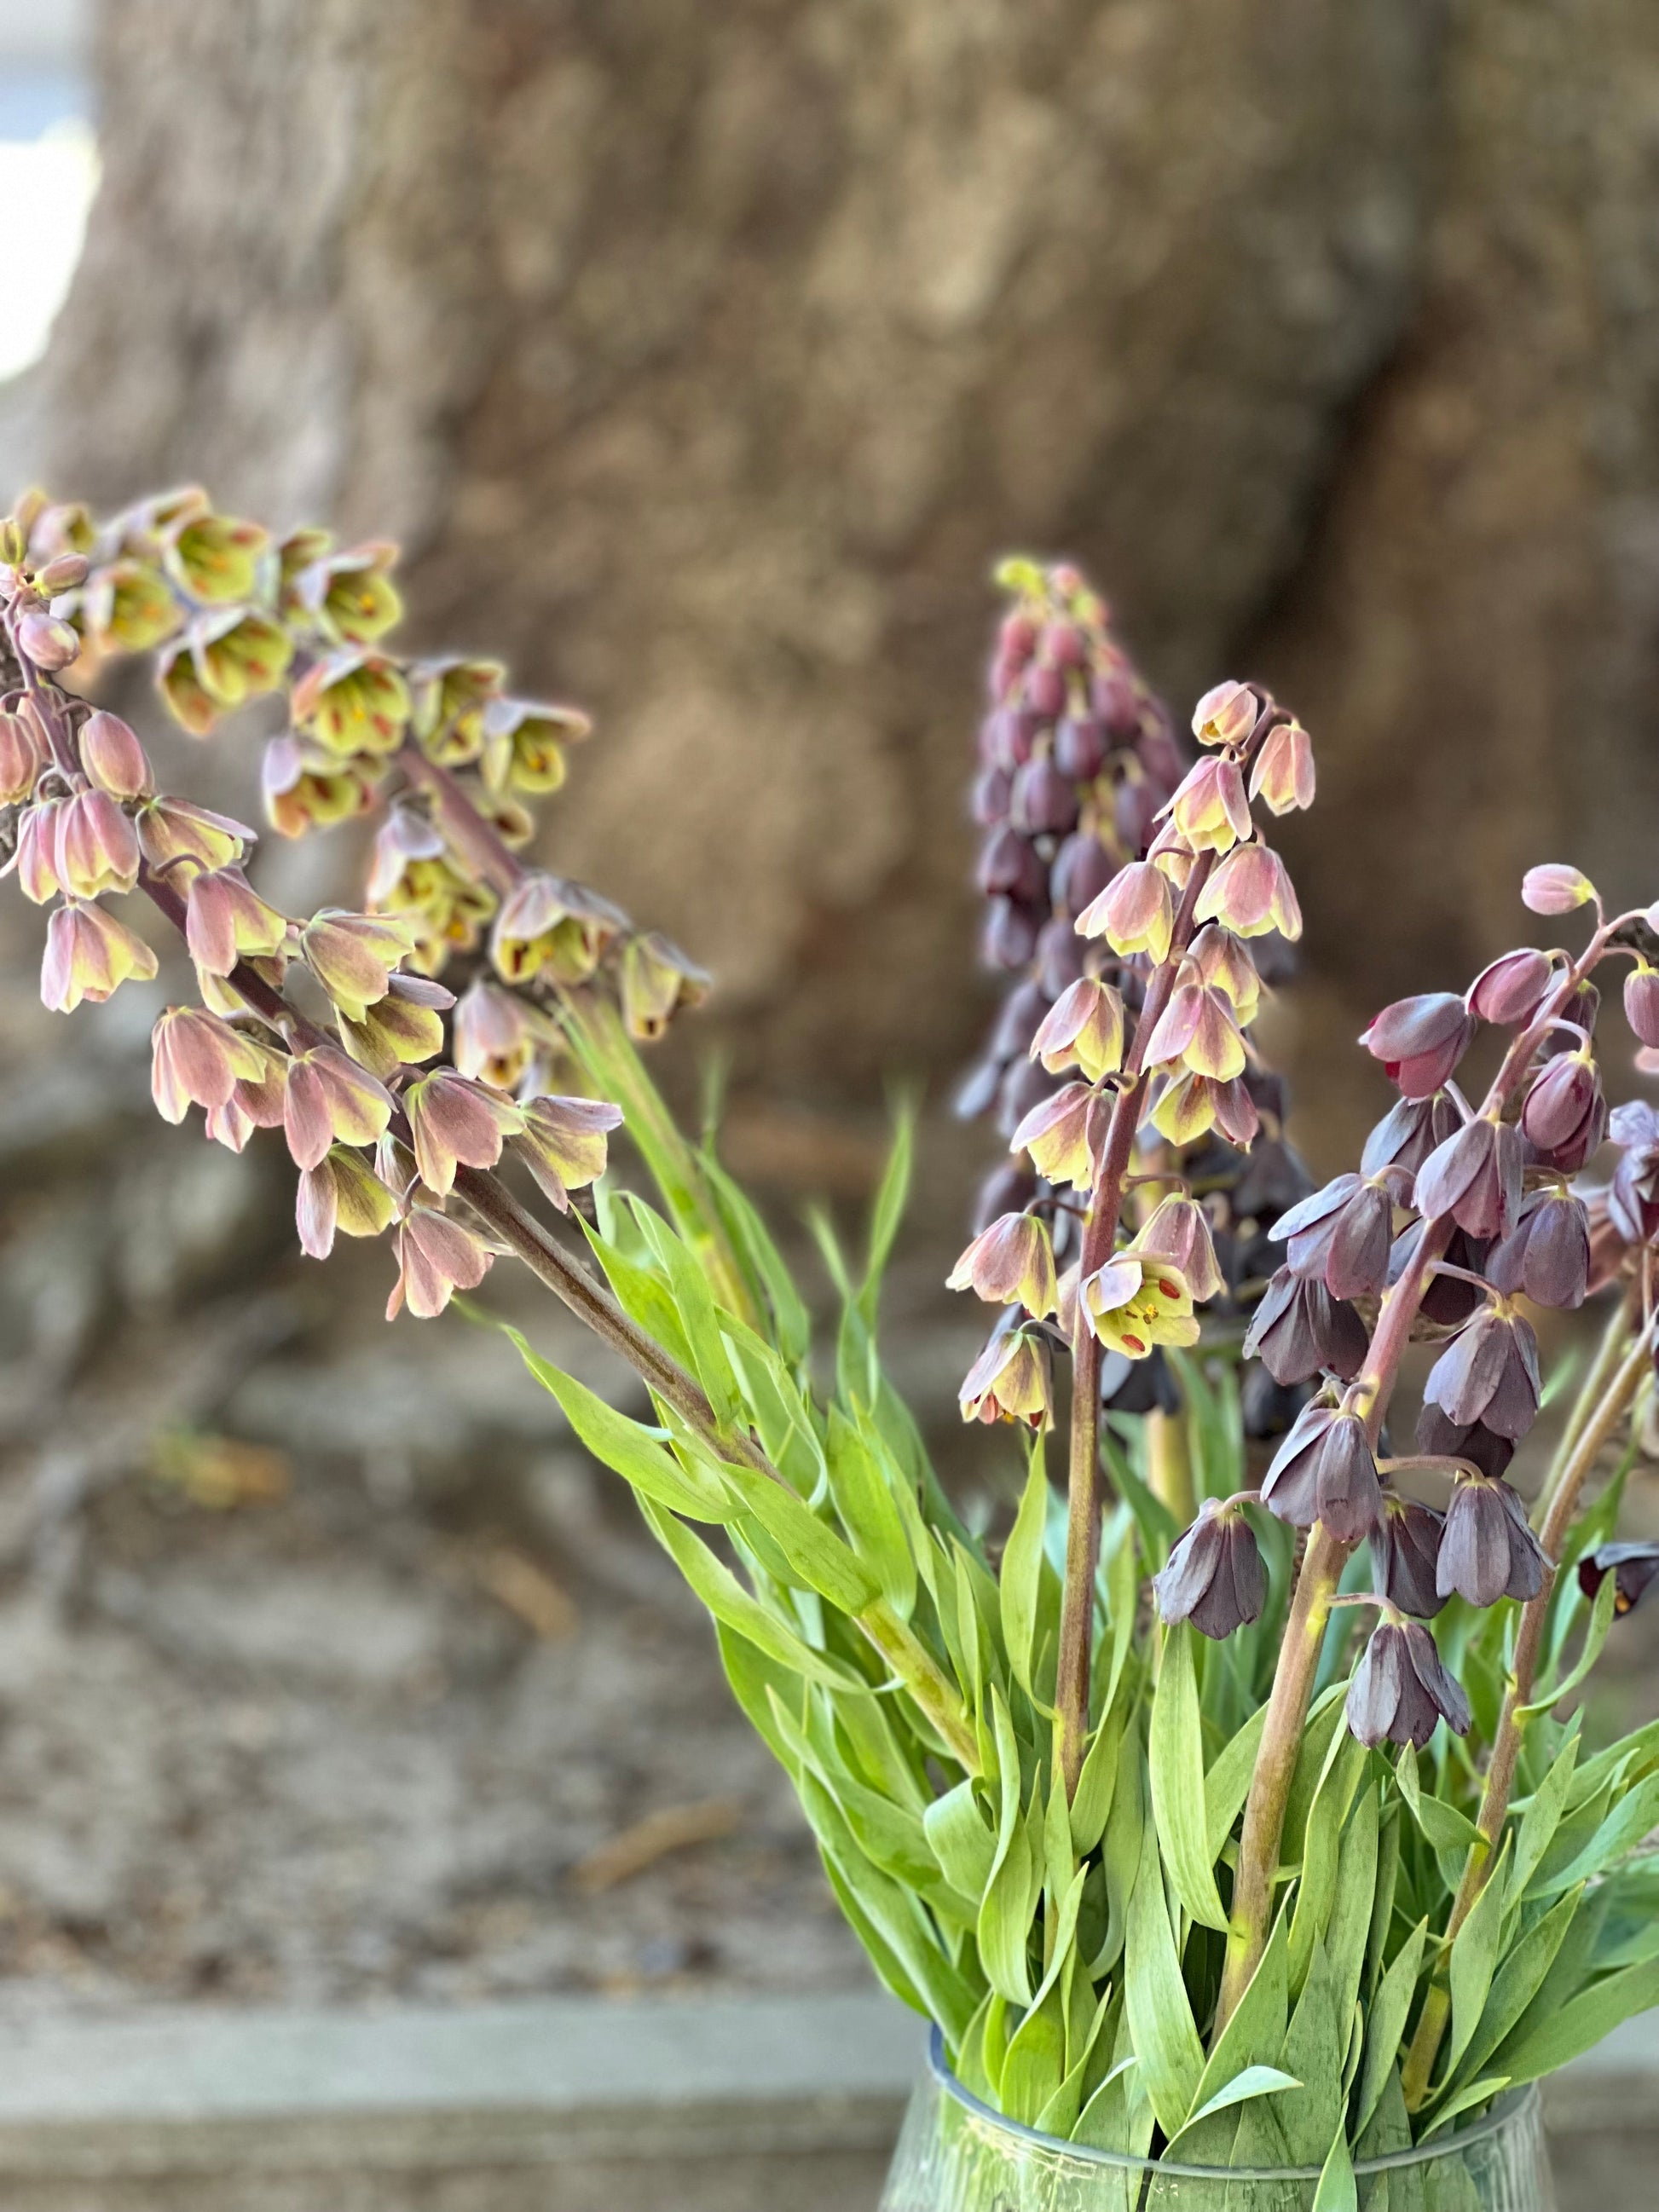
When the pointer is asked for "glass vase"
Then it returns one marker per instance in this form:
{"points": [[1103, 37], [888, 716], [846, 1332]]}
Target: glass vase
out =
{"points": [[956, 2154]]}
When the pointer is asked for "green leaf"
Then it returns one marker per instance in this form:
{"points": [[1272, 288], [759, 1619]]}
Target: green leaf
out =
{"points": [[1314, 2049], [1010, 1894], [1539, 1823], [695, 1304], [959, 1839], [1579, 2025], [864, 1501], [1347, 1932], [889, 1210], [1338, 2190], [1227, 1784], [1473, 1960], [1518, 1980], [1037, 2060], [1386, 2022], [643, 1294], [1596, 1636], [726, 1598], [1321, 1849], [817, 1554], [1254, 2081], [1176, 1753], [1160, 2016], [1324, 1718], [1255, 2031], [786, 1424], [1120, 1849], [1477, 2092], [1022, 1563], [630, 1450], [791, 1324], [1444, 1828], [1622, 1830], [1091, 1806]]}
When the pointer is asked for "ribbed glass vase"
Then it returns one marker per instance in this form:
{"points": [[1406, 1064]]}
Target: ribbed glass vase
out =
{"points": [[956, 2155]]}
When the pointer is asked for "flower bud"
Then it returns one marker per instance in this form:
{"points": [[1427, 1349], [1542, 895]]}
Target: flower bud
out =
{"points": [[1134, 913], [564, 1142], [1134, 1303], [1489, 1373], [1010, 867], [1198, 1030], [226, 920], [37, 851], [1299, 1329], [1401, 1690], [1226, 715], [342, 1193], [63, 573], [1475, 1177], [1510, 991], [1215, 1577], [327, 1100], [1566, 1114], [20, 760], [1179, 1232], [1421, 1041], [113, 756], [1083, 1028], [1284, 772], [95, 846], [437, 1257], [1079, 748], [1342, 1235], [1633, 1567], [89, 955], [1488, 1550], [1555, 888], [455, 1122], [1009, 1382], [1209, 809], [1041, 801], [1010, 1263], [1062, 1134], [1405, 1550], [655, 980], [1642, 1002], [1547, 1256], [48, 641]]}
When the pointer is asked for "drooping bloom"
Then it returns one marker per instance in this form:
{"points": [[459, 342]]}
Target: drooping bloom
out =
{"points": [[226, 920], [1209, 808], [1547, 1256], [307, 787], [1084, 1029], [256, 1103], [1299, 1329], [1179, 1232], [564, 1142], [1482, 1447], [171, 829], [1475, 1177], [1405, 1549], [1633, 1194], [350, 595], [437, 1257], [1555, 888], [551, 927], [1400, 1689], [1010, 1263], [1488, 1550], [212, 557], [1642, 1002], [1633, 1567], [456, 1123], [1566, 1114], [1284, 772], [1219, 960], [1489, 1373], [1341, 1234], [492, 1040], [20, 760], [1226, 715], [198, 1060], [1062, 1134], [654, 980], [1134, 1303], [401, 1030], [1326, 1470], [327, 1100], [1215, 1577], [95, 847], [1511, 990], [1421, 1041], [1135, 913], [1197, 1030], [1186, 1108], [88, 956], [354, 700], [342, 1193], [353, 956], [1009, 1381], [1250, 892], [1408, 1133]]}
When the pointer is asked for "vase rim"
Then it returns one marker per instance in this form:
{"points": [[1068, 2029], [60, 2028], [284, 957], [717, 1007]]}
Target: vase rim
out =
{"points": [[1505, 2109]]}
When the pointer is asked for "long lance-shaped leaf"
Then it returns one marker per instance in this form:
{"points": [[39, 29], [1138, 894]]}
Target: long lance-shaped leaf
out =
{"points": [[1176, 1754]]}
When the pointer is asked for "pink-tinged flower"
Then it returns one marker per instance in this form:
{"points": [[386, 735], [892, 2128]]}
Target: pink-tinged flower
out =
{"points": [[1009, 1381], [353, 701], [1421, 1041], [406, 837], [401, 1030], [226, 920], [1510, 991], [523, 744], [1475, 1177], [1134, 913], [307, 788], [437, 1257], [1565, 1115], [492, 1040], [353, 957], [198, 1059], [1221, 962], [1342, 1235], [1179, 1232], [1489, 1373], [1642, 1003], [36, 858], [1408, 1133], [1632, 1200], [341, 1194], [1555, 888], [327, 1100], [564, 1142], [1083, 1028], [20, 760], [1172, 856], [1209, 808], [1192, 1104], [256, 1103], [238, 654], [95, 847], [171, 829], [50, 643], [1226, 715], [456, 1123], [1283, 771], [1133, 1304], [449, 694], [1011, 1263], [128, 605], [89, 955], [551, 927], [1250, 892], [1062, 1134], [184, 695], [1197, 1030], [1299, 1329], [113, 756], [655, 980]]}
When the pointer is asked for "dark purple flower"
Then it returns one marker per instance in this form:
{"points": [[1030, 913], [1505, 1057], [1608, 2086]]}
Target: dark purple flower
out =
{"points": [[1547, 1254], [1268, 1407], [1421, 1041], [1341, 1236], [1043, 801], [1405, 1546], [1009, 867], [1633, 1566], [1408, 1133], [1449, 1301], [1488, 1550], [1489, 1372], [1011, 934], [1401, 1690], [1565, 1115], [1215, 1577], [1510, 991], [1475, 1177], [1273, 1178], [1079, 748], [1324, 1470], [1481, 1446], [1136, 1386], [1081, 869], [1298, 1330]]}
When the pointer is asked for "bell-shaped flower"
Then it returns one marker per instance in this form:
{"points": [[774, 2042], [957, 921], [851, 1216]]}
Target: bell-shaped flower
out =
{"points": [[1642, 1003], [349, 596], [1342, 1235], [1547, 1256], [198, 1060], [47, 641], [1405, 1549], [1209, 809], [449, 693], [1179, 1232], [1010, 1263], [1084, 1029], [1215, 1577], [1043, 801], [564, 1142], [226, 920], [1633, 1567], [1226, 715], [1133, 1303], [354, 700], [128, 605], [184, 695], [1489, 1372], [523, 744], [306, 787], [1197, 1030], [1474, 1177], [113, 758], [1220, 961], [455, 1122], [1566, 1114], [1284, 772], [343, 1195], [1249, 892], [1554, 888], [1298, 1330], [1441, 1438], [213, 556], [1188, 1108], [20, 760], [327, 1101], [492, 1042], [401, 1030], [655, 979], [173, 829], [1010, 1381], [551, 927], [1326, 1470], [89, 955], [1401, 1690], [1421, 1041], [1488, 1550], [238, 654], [1135, 913], [1408, 1133], [256, 1103], [1449, 1300], [1632, 1200], [1511, 990], [1063, 1134], [36, 857], [95, 847], [353, 956], [437, 1257]]}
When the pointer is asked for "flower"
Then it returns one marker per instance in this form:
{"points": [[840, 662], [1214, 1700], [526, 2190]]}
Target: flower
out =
{"points": [[1135, 913], [349, 595], [238, 654], [1219, 960], [226, 920], [1642, 1002], [213, 556], [20, 760], [256, 1103], [1041, 800], [1326, 1470], [1197, 1030], [1299, 1329], [1214, 1578], [1341, 1234], [95, 846], [1226, 715], [1010, 1263], [551, 927], [353, 956], [1488, 1550], [47, 641], [127, 604], [1475, 1177], [341, 1194], [1443, 1438], [1564, 1114], [1009, 1381], [1633, 1194], [1408, 1133], [1283, 770], [1133, 1303], [36, 860], [1179, 1232], [1489, 1373], [448, 694], [1449, 1301], [353, 701], [1511, 990], [1401, 1690], [1192, 1104], [113, 756], [401, 1030], [655, 980], [1555, 888], [198, 1059], [1633, 1566], [1405, 1547], [563, 1143], [326, 1099], [89, 955], [523, 744], [456, 1123], [1209, 808], [1083, 1028], [437, 1257], [1547, 1256], [306, 787], [1421, 1041], [1250, 891], [186, 698], [1062, 1135], [172, 829]]}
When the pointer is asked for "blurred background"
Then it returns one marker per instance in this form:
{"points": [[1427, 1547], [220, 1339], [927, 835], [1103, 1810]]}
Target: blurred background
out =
{"points": [[703, 361]]}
